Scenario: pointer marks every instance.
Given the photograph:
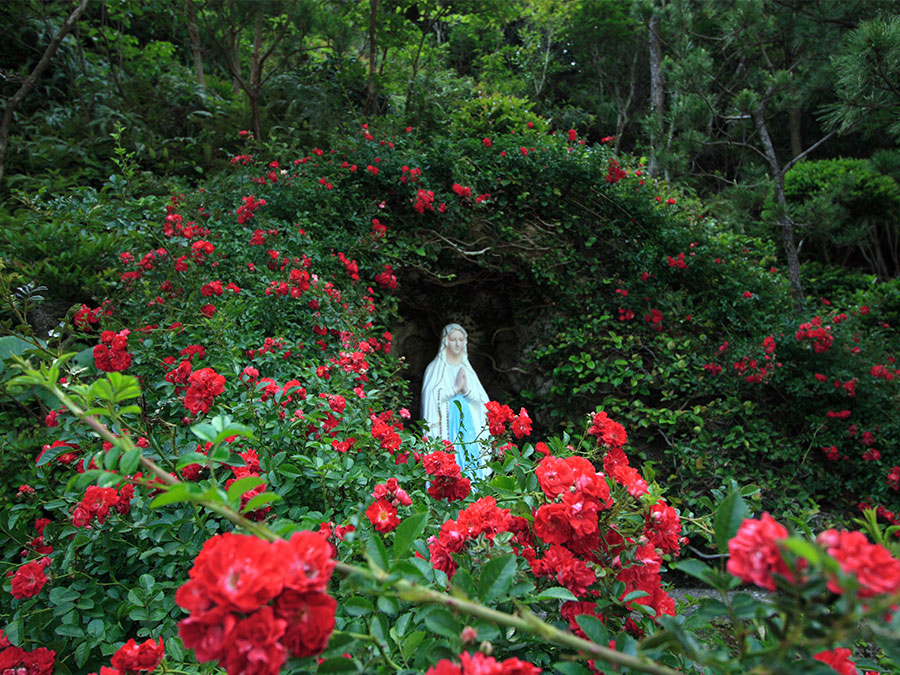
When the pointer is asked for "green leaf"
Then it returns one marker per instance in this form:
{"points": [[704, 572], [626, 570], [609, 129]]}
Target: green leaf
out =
{"points": [[10, 346], [376, 553], [70, 630], [111, 458], [594, 629], [704, 573], [890, 646], [496, 578], [13, 632], [183, 492], [441, 621], [709, 609], [809, 551], [60, 595], [379, 628], [337, 664], [52, 453], [556, 593], [411, 643], [634, 595], [101, 389], [242, 485], [129, 461], [357, 605], [205, 432], [234, 429], [189, 458], [96, 629], [408, 531], [82, 653], [729, 516], [261, 500]]}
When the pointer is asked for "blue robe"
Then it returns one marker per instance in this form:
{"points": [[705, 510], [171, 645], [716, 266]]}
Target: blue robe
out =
{"points": [[462, 435]]}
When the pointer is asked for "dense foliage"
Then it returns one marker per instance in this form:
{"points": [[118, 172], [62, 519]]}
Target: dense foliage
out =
{"points": [[242, 362], [209, 456]]}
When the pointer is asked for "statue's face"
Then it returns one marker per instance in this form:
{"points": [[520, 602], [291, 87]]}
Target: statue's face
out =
{"points": [[456, 341]]}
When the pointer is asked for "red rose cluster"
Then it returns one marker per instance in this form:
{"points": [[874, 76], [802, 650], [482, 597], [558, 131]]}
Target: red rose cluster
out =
{"points": [[499, 415], [756, 556], [383, 512], [133, 657], [252, 468], [614, 173], [252, 602], [111, 354], [876, 571], [248, 208], [97, 502], [606, 431], [479, 664], [15, 660], [570, 523], [203, 386], [448, 481], [617, 467], [388, 439], [813, 330], [85, 318], [386, 279], [481, 517]]}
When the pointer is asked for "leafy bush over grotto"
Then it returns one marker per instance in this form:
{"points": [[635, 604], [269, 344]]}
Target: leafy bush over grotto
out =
{"points": [[239, 369]]}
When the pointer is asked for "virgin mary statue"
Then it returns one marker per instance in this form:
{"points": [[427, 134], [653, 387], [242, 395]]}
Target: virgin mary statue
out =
{"points": [[453, 401]]}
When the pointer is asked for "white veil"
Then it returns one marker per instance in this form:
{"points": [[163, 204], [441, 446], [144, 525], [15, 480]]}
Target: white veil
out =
{"points": [[439, 387]]}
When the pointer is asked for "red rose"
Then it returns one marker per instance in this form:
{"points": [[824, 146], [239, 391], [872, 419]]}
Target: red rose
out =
{"points": [[663, 527], [383, 515], [310, 621], [839, 659], [238, 571], [253, 647], [305, 561], [555, 476], [134, 656], [754, 552], [551, 524], [521, 426], [206, 633], [40, 661], [28, 580]]}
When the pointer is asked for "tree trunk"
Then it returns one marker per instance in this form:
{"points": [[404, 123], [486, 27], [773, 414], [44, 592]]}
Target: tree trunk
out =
{"points": [[796, 137], [196, 47], [371, 106], [13, 102], [788, 240], [415, 66], [657, 92], [256, 75]]}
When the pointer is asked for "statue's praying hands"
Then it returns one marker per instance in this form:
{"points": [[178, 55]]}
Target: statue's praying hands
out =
{"points": [[461, 381]]}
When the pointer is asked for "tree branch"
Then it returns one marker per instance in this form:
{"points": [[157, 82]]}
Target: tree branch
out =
{"points": [[23, 91], [803, 154]]}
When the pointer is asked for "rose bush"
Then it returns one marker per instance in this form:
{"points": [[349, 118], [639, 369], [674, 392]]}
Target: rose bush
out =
{"points": [[242, 374]]}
